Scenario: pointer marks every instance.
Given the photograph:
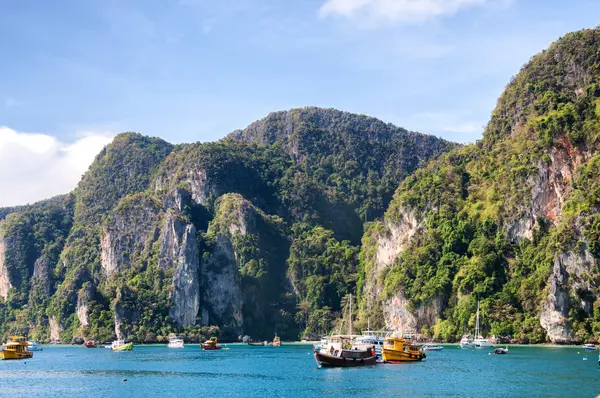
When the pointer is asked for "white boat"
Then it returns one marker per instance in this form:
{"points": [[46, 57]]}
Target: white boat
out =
{"points": [[586, 347], [467, 342], [34, 345], [373, 339], [175, 342], [479, 341], [432, 347]]}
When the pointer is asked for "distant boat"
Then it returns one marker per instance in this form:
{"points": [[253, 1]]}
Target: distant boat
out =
{"points": [[501, 351], [373, 338], [589, 347], [120, 345], [175, 342], [467, 342], [432, 347], [257, 343], [276, 341], [34, 346], [210, 344], [90, 344], [479, 341]]}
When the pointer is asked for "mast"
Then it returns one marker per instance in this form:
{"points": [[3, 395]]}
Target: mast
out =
{"points": [[350, 315], [477, 323]]}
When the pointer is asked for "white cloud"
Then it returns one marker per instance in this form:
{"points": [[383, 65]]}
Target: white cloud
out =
{"points": [[404, 11], [38, 166]]}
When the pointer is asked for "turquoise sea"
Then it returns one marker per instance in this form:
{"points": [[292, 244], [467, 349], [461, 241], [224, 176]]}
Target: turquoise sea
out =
{"points": [[290, 371]]}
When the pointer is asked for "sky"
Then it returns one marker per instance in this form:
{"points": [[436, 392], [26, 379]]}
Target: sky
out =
{"points": [[74, 73]]}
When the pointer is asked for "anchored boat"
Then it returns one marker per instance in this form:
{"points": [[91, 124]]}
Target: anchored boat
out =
{"points": [[432, 347], [589, 347], [90, 344], [16, 348], [398, 349], [120, 345], [339, 352], [276, 341], [175, 341], [210, 344], [34, 345]]}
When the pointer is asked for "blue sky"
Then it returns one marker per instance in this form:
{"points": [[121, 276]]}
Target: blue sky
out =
{"points": [[194, 70]]}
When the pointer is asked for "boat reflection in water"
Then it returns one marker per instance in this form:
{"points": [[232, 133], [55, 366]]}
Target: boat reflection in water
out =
{"points": [[339, 352]]}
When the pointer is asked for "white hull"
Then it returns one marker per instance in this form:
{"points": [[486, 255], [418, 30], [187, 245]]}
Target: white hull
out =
{"points": [[483, 343], [176, 345]]}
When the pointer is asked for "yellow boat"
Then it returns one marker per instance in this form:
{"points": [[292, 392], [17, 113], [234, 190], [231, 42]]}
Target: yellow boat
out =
{"points": [[16, 348], [398, 349]]}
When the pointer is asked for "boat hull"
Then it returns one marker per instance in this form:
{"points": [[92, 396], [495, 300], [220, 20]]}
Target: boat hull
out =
{"points": [[393, 356], [124, 347], [325, 360], [6, 355], [210, 347]]}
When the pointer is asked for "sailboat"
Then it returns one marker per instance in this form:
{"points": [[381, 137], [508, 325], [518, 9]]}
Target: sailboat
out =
{"points": [[479, 341]]}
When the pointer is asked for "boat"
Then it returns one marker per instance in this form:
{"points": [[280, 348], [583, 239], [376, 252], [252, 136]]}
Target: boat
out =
{"points": [[339, 352], [467, 342], [90, 344], [257, 343], [120, 345], [432, 347], [34, 345], [373, 338], [397, 349], [16, 348], [175, 341], [501, 351], [276, 341], [589, 347], [479, 341], [210, 344]]}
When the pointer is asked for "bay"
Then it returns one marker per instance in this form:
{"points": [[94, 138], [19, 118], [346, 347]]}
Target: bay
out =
{"points": [[290, 371]]}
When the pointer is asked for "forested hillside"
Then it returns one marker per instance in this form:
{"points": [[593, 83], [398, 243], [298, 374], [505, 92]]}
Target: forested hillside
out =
{"points": [[235, 237], [512, 221]]}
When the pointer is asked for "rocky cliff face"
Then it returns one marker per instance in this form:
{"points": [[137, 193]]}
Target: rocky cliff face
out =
{"points": [[178, 249], [4, 282]]}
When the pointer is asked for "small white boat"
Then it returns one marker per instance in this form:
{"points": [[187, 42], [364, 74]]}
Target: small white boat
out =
{"points": [[373, 339], [586, 347], [34, 345], [432, 347], [480, 341], [467, 342], [175, 342]]}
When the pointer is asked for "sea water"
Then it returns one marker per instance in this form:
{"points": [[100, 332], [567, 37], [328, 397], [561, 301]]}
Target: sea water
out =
{"points": [[291, 371]]}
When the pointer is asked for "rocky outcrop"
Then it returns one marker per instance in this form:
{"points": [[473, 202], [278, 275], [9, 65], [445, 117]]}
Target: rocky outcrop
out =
{"points": [[571, 276], [550, 186], [223, 292], [55, 329], [389, 244], [178, 249], [129, 230], [84, 296], [4, 281]]}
